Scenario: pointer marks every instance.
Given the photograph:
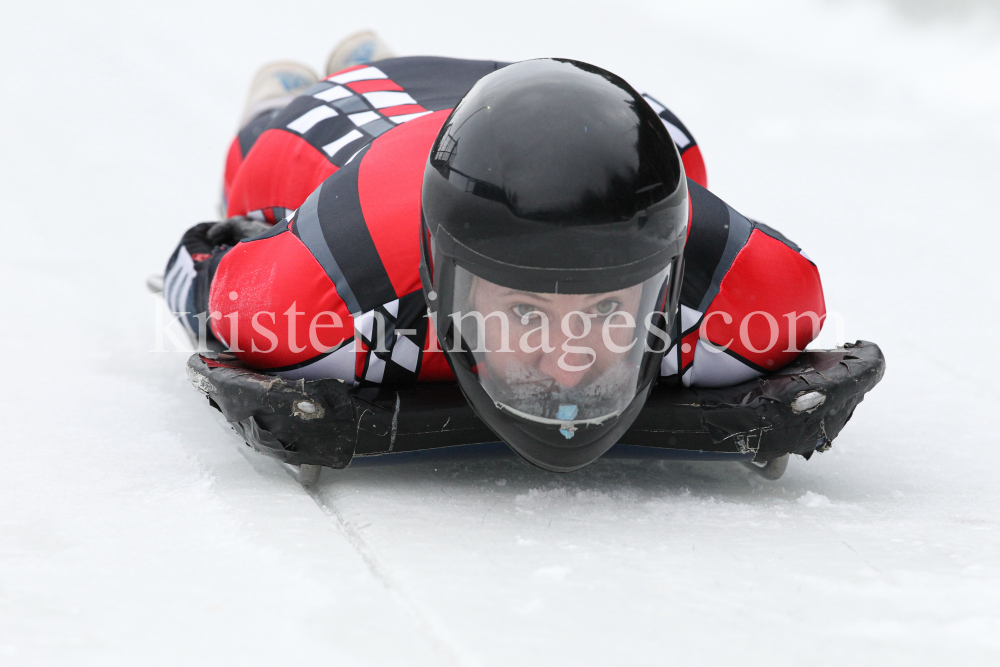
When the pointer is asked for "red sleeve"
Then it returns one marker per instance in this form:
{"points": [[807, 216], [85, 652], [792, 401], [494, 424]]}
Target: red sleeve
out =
{"points": [[769, 306], [273, 304]]}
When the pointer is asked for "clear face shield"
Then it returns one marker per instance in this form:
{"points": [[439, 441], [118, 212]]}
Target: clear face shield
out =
{"points": [[559, 359]]}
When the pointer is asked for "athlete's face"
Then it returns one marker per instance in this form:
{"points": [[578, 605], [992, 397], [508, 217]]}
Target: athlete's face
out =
{"points": [[560, 341]]}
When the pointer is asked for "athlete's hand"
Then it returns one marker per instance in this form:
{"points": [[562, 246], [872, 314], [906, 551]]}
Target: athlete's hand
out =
{"points": [[232, 231]]}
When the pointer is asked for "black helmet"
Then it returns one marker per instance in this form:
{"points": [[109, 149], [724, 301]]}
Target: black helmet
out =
{"points": [[555, 212]]}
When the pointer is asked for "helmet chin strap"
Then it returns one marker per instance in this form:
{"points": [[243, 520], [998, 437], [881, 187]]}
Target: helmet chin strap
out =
{"points": [[566, 423]]}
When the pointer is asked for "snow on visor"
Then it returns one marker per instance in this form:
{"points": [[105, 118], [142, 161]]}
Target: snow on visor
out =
{"points": [[560, 359]]}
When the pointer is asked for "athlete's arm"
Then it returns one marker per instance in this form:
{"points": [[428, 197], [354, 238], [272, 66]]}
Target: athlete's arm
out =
{"points": [[750, 303], [274, 305]]}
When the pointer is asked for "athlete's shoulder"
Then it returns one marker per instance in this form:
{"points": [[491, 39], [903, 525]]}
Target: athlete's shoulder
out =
{"points": [[362, 223]]}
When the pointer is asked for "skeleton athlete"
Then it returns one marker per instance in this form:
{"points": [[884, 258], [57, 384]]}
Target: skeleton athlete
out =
{"points": [[539, 231]]}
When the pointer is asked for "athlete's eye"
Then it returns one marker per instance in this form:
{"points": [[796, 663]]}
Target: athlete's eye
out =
{"points": [[606, 307], [524, 310]]}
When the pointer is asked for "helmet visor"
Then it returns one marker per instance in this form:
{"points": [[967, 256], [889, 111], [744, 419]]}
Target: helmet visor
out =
{"points": [[566, 359]]}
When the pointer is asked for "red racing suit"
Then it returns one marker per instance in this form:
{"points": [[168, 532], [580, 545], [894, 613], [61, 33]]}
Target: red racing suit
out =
{"points": [[339, 172]]}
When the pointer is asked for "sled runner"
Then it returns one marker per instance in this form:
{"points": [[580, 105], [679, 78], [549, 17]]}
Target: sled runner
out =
{"points": [[797, 410]]}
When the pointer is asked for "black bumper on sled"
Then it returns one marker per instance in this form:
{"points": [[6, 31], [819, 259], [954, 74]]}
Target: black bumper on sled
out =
{"points": [[798, 410]]}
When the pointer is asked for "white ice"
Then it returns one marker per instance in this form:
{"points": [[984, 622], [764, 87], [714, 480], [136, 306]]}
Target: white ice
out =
{"points": [[135, 529]]}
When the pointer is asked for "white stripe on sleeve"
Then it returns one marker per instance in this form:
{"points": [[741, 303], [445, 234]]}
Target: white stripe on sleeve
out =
{"points": [[388, 98], [334, 146], [405, 118], [363, 74], [333, 94], [306, 121]]}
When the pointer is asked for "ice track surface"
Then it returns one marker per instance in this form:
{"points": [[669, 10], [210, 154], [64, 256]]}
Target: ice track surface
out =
{"points": [[136, 530]]}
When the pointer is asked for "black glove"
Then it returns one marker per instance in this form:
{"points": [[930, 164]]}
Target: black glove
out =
{"points": [[232, 231]]}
